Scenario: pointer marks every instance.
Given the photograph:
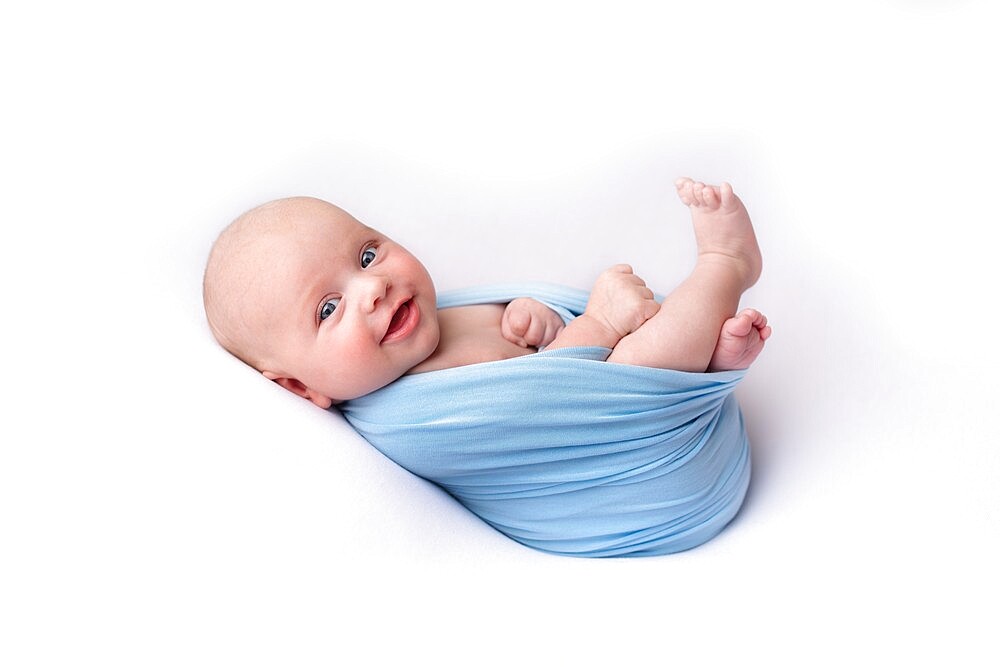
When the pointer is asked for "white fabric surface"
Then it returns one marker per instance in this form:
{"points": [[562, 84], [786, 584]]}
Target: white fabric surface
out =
{"points": [[161, 504]]}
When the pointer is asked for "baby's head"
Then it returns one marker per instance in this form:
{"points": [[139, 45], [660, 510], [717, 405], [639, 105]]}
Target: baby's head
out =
{"points": [[326, 307]]}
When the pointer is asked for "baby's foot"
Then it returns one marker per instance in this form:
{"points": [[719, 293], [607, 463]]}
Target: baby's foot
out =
{"points": [[722, 228], [741, 340]]}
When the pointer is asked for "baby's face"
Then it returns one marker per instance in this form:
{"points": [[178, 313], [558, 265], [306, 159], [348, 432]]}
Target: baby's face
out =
{"points": [[345, 310]]}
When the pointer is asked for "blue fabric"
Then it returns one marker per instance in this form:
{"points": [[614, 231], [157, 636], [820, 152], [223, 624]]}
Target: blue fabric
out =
{"points": [[564, 452]]}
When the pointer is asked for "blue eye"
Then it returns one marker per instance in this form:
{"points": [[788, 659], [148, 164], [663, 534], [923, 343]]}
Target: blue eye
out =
{"points": [[326, 310], [367, 257]]}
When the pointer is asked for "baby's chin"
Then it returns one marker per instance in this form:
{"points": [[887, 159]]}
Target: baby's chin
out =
{"points": [[359, 391]]}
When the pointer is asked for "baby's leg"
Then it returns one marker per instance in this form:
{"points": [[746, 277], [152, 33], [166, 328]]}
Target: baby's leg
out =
{"points": [[684, 334]]}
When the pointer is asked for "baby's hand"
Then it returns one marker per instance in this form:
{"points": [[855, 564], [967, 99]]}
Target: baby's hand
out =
{"points": [[530, 323], [621, 301]]}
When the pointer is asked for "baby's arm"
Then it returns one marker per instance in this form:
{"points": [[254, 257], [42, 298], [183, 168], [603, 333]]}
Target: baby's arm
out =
{"points": [[619, 304]]}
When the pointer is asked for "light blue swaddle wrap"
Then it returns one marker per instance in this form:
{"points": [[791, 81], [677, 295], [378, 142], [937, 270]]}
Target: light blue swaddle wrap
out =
{"points": [[565, 452]]}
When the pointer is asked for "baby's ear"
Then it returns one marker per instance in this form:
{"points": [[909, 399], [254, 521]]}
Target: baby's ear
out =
{"points": [[299, 389]]}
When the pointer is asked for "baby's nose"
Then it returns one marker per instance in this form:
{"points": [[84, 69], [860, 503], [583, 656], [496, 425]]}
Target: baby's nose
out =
{"points": [[375, 288]]}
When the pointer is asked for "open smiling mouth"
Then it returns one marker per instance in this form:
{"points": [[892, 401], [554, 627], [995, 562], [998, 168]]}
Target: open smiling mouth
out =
{"points": [[404, 320]]}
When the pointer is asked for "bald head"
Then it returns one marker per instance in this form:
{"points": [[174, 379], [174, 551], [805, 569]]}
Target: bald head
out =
{"points": [[234, 271], [321, 304]]}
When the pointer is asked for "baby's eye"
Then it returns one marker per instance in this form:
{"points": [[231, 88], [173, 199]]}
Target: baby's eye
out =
{"points": [[326, 310], [367, 257]]}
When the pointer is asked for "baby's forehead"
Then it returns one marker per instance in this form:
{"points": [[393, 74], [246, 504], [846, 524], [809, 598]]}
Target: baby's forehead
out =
{"points": [[306, 216], [298, 214], [303, 235], [302, 220]]}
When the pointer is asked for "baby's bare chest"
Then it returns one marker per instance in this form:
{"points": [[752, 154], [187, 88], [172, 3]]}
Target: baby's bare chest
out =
{"points": [[471, 335]]}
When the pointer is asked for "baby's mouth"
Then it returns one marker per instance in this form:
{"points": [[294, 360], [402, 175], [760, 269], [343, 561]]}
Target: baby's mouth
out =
{"points": [[401, 321]]}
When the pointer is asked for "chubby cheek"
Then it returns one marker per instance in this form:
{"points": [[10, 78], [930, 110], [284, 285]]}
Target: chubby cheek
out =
{"points": [[433, 343], [430, 334], [354, 366], [358, 370]]}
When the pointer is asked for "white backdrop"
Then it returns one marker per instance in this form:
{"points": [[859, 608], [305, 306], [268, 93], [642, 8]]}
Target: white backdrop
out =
{"points": [[160, 504]]}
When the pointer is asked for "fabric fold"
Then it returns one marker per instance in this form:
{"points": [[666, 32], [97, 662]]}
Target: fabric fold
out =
{"points": [[565, 452]]}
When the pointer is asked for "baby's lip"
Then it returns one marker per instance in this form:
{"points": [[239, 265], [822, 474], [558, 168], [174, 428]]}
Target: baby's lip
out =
{"points": [[403, 321]]}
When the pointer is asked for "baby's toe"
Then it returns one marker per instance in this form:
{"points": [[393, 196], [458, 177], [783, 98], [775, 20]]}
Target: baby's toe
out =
{"points": [[711, 197], [738, 326], [684, 191], [698, 192]]}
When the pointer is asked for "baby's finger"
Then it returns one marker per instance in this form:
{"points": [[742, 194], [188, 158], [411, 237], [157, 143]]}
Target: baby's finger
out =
{"points": [[633, 279], [536, 332], [620, 268], [512, 337], [513, 326], [757, 317], [518, 320]]}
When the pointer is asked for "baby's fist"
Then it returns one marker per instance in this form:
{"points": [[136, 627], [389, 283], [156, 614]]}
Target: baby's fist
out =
{"points": [[530, 323], [621, 300]]}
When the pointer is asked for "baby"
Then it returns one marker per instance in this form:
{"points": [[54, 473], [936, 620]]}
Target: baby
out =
{"points": [[333, 310], [633, 458]]}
